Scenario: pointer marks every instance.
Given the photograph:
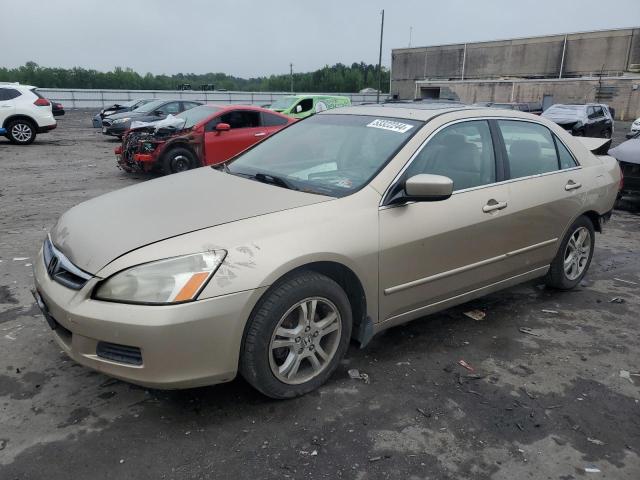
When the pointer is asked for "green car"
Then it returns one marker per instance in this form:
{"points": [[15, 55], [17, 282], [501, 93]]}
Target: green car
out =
{"points": [[302, 106]]}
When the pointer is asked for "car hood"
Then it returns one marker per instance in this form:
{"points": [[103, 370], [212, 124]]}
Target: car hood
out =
{"points": [[96, 232]]}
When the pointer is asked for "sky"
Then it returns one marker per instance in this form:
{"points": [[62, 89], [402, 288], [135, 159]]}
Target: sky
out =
{"points": [[250, 38]]}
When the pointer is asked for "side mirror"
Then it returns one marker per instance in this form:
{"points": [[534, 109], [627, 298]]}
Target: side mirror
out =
{"points": [[298, 108], [223, 127], [427, 188]]}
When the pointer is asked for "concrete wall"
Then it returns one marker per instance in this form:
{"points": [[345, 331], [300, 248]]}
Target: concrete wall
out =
{"points": [[623, 94], [538, 57]]}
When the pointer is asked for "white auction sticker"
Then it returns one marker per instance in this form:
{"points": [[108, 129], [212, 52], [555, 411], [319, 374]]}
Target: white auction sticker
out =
{"points": [[390, 125]]}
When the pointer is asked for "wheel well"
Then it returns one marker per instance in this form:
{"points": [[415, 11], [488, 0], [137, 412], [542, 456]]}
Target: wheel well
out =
{"points": [[19, 117], [595, 219]]}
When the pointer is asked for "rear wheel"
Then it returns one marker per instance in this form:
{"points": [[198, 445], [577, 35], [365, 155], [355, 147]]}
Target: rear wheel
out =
{"points": [[296, 336], [21, 132], [574, 256], [178, 160]]}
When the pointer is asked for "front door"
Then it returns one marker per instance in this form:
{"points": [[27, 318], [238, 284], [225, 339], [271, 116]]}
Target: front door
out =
{"points": [[246, 129], [433, 251]]}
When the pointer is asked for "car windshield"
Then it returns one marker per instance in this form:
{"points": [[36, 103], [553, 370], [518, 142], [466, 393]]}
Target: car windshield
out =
{"points": [[327, 154], [150, 107], [283, 103], [197, 114], [565, 109]]}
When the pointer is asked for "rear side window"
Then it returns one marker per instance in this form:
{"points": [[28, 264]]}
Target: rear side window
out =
{"points": [[463, 152], [566, 159], [530, 148], [270, 120], [9, 93], [241, 119]]}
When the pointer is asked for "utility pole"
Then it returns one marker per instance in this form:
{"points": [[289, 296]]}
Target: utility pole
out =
{"points": [[410, 34], [291, 75], [380, 59]]}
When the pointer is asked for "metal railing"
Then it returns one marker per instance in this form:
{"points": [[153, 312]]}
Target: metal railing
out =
{"points": [[94, 98]]}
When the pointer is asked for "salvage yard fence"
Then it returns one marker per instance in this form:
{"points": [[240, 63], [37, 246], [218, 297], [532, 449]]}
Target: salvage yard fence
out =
{"points": [[90, 98]]}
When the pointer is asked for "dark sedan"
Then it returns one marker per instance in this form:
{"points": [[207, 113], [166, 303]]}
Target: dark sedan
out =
{"points": [[119, 108], [119, 123]]}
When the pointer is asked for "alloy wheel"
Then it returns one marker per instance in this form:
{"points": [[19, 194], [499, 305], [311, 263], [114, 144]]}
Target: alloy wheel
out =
{"points": [[180, 163], [21, 132], [576, 255], [305, 340]]}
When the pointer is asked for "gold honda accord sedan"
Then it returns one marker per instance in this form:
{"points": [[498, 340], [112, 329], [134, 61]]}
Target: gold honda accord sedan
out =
{"points": [[337, 227]]}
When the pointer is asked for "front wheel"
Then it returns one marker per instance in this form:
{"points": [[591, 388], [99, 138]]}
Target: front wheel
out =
{"points": [[178, 160], [296, 336], [574, 256]]}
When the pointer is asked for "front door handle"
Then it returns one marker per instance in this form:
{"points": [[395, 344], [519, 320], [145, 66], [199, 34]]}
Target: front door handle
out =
{"points": [[571, 185], [261, 134], [493, 205]]}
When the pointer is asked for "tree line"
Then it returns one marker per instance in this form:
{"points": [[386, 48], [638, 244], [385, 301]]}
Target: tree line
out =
{"points": [[335, 78]]}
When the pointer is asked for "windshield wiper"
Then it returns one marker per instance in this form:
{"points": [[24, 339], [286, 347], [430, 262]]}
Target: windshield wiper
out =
{"points": [[273, 180]]}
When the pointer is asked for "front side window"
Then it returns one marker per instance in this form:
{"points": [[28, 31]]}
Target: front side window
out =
{"points": [[463, 152], [530, 148], [304, 106], [329, 154], [241, 119]]}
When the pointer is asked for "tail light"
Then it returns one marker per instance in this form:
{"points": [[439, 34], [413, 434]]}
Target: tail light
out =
{"points": [[118, 150], [42, 102]]}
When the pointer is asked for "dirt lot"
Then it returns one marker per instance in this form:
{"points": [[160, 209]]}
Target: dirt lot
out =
{"points": [[546, 405]]}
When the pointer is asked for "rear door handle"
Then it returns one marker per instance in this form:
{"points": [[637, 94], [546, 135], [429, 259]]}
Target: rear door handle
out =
{"points": [[493, 205], [571, 185], [261, 134]]}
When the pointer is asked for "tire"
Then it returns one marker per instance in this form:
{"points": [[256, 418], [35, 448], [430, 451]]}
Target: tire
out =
{"points": [[178, 160], [21, 132], [277, 320], [566, 277]]}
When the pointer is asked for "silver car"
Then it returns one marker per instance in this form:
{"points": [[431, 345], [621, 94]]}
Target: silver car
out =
{"points": [[337, 227]]}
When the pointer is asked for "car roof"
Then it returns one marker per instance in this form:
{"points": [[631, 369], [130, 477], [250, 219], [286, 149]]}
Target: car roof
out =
{"points": [[426, 112], [226, 106], [17, 86]]}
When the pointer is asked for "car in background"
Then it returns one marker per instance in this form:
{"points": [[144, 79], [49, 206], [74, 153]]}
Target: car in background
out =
{"points": [[302, 106], [628, 156], [635, 128], [57, 109], [590, 120], [203, 135], [118, 123], [119, 108], [24, 113], [339, 226]]}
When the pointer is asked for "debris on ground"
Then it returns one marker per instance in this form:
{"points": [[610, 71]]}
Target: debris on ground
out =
{"points": [[595, 441], [464, 364], [616, 300], [3, 443], [122, 460], [355, 374], [423, 412], [552, 312], [529, 331], [476, 315], [626, 374], [20, 259], [591, 469], [625, 281]]}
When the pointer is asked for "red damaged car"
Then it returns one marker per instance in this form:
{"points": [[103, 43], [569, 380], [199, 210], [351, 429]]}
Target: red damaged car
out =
{"points": [[203, 135]]}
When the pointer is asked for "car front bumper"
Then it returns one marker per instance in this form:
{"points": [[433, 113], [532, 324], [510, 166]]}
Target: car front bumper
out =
{"points": [[180, 346], [116, 130]]}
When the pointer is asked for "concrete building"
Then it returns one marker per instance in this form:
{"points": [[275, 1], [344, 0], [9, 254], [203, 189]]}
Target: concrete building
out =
{"points": [[579, 67]]}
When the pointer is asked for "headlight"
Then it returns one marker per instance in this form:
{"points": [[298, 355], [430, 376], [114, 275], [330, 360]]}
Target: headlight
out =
{"points": [[175, 280], [121, 120], [108, 112]]}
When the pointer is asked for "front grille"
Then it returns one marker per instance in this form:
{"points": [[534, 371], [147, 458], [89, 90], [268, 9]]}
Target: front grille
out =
{"points": [[61, 270], [119, 353]]}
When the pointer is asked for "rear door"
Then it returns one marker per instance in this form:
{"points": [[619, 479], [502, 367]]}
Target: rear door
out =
{"points": [[246, 129], [545, 192], [7, 103], [433, 251], [272, 123]]}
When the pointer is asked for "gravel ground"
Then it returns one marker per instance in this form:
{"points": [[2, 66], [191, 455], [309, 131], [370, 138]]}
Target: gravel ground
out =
{"points": [[546, 406]]}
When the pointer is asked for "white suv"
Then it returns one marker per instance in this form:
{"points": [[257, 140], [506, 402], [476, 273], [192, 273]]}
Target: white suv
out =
{"points": [[23, 113]]}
